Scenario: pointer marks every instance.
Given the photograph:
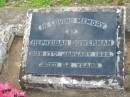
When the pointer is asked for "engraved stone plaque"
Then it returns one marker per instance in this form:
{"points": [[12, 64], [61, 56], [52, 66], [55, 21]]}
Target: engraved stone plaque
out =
{"points": [[74, 43]]}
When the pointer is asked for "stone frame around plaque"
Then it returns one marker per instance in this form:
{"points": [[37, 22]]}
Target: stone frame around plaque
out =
{"points": [[59, 81]]}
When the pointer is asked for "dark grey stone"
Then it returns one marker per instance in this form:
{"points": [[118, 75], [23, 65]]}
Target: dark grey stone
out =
{"points": [[85, 39]]}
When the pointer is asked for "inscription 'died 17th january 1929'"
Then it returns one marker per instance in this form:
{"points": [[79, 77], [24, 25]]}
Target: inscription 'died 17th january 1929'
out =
{"points": [[82, 43]]}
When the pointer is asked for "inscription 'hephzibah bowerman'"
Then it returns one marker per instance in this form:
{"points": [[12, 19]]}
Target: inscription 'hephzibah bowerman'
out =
{"points": [[71, 42]]}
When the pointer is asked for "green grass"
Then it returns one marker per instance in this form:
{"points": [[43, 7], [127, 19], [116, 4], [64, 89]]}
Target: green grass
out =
{"points": [[39, 3], [44, 3], [2, 3], [64, 2], [31, 3]]}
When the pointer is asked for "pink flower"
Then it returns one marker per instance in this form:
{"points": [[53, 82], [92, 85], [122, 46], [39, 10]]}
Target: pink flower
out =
{"points": [[7, 94], [1, 86], [1, 94], [6, 90], [22, 94], [7, 86], [14, 91]]}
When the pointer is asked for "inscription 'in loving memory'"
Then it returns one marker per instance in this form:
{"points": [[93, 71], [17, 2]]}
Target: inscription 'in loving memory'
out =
{"points": [[87, 21]]}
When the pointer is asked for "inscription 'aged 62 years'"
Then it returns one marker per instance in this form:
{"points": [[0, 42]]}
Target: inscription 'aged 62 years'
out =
{"points": [[76, 43]]}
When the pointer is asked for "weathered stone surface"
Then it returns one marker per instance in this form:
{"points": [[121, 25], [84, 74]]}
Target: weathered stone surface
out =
{"points": [[12, 22], [127, 4], [45, 55], [128, 17]]}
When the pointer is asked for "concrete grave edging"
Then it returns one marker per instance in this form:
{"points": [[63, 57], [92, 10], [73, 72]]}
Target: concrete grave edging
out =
{"points": [[7, 34]]}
